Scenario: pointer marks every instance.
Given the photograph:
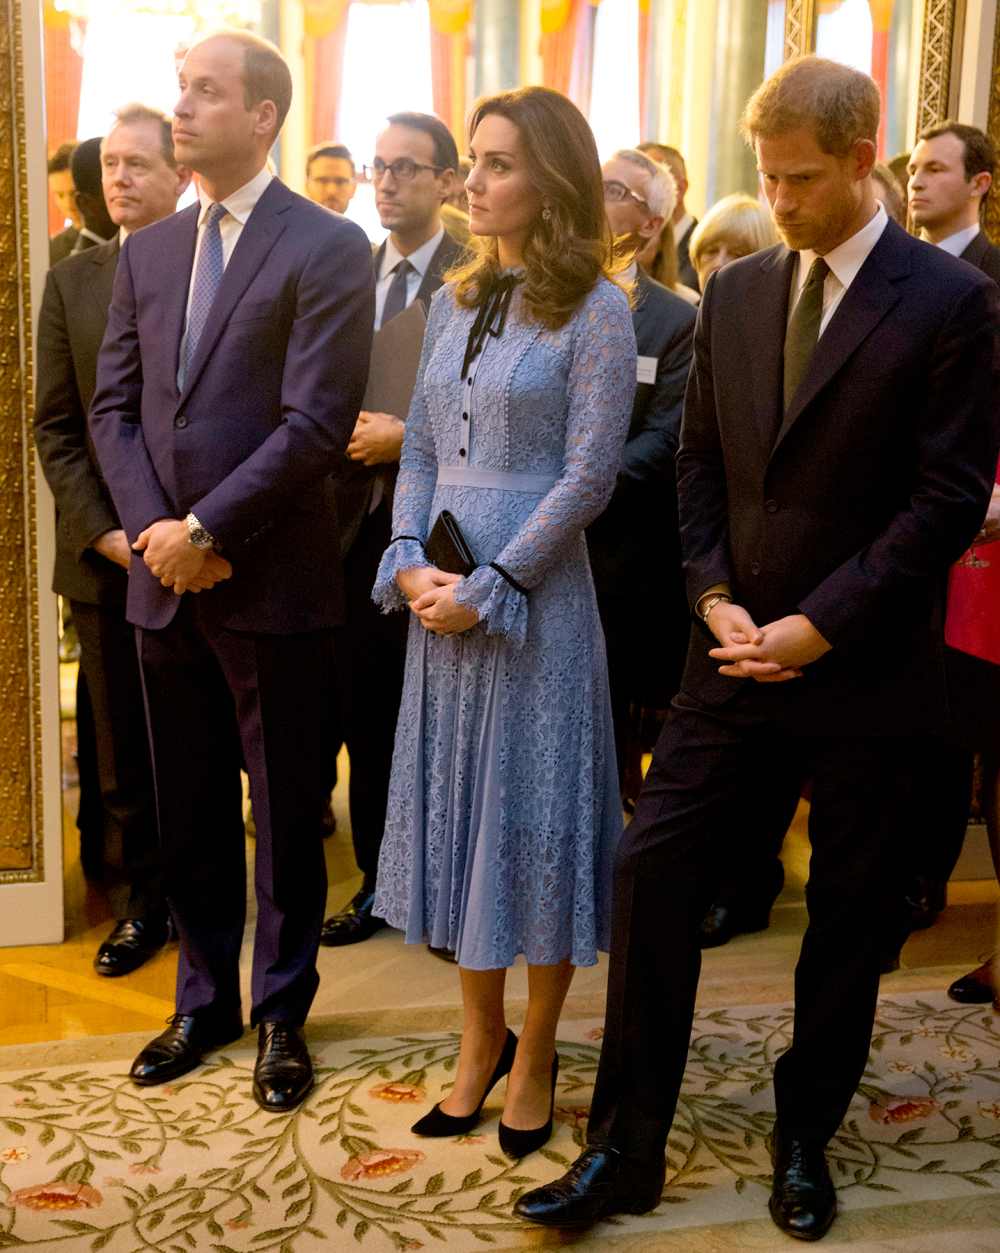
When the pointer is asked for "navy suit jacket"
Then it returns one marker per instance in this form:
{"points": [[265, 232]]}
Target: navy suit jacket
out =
{"points": [[269, 402], [851, 506]]}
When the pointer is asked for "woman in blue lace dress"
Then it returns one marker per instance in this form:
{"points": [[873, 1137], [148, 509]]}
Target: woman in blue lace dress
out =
{"points": [[503, 811]]}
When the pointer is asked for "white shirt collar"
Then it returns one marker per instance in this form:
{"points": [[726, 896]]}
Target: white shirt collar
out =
{"points": [[956, 244], [847, 258], [681, 227], [420, 259], [242, 202]]}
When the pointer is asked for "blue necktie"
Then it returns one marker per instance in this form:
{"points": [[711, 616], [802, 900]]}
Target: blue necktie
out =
{"points": [[207, 277]]}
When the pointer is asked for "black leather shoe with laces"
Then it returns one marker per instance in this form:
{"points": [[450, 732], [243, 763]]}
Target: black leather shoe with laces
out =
{"points": [[283, 1075], [354, 923], [599, 1183], [183, 1045], [803, 1200], [130, 945]]}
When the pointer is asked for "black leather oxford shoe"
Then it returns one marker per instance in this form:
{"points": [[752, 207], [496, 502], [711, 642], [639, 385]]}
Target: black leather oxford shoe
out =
{"points": [[975, 988], [283, 1074], [354, 923], [600, 1182], [183, 1046], [130, 945], [803, 1201]]}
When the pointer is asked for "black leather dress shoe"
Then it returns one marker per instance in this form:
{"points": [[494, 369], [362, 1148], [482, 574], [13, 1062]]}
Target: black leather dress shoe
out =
{"points": [[722, 922], [354, 923], [803, 1201], [924, 900], [283, 1074], [132, 943], [600, 1182], [975, 988], [183, 1045]]}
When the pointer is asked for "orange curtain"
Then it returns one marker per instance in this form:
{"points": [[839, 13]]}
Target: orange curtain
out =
{"points": [[63, 76], [558, 43], [881, 25], [324, 68], [449, 54], [645, 52]]}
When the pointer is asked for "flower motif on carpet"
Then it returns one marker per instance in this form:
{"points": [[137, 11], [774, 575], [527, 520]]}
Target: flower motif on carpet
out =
{"points": [[89, 1162]]}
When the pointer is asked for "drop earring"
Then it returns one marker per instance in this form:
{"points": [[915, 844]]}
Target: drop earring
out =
{"points": [[546, 214]]}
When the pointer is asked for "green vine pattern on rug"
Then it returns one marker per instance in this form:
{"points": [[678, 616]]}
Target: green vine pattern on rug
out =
{"points": [[88, 1161]]}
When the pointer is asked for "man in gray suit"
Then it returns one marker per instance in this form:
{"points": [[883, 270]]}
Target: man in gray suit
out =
{"points": [[413, 171], [141, 184]]}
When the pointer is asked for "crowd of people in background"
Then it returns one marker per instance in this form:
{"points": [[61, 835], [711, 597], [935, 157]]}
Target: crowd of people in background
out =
{"points": [[491, 595]]}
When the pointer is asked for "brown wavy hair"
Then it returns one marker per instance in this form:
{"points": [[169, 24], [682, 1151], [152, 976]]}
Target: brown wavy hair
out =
{"points": [[565, 254]]}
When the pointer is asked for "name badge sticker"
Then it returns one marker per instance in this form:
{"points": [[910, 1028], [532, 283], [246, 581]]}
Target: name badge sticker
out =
{"points": [[645, 369]]}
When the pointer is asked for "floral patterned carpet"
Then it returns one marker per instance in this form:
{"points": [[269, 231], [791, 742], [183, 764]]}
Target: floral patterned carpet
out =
{"points": [[89, 1162]]}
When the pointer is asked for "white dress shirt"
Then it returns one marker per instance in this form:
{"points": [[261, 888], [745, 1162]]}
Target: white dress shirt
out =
{"points": [[420, 260], [238, 207], [845, 262], [956, 244], [682, 227]]}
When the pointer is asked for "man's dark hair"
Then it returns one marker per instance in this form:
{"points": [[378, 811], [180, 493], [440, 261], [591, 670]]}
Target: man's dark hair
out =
{"points": [[445, 148], [133, 114], [979, 155], [86, 168], [61, 158], [339, 152]]}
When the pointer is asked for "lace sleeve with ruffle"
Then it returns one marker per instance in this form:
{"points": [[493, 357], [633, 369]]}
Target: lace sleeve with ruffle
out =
{"points": [[600, 390], [417, 477]]}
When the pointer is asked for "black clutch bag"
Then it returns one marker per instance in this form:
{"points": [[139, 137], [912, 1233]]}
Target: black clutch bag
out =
{"points": [[447, 548]]}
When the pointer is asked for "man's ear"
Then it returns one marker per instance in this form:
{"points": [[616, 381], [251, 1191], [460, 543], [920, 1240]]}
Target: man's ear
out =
{"points": [[446, 184], [184, 176], [864, 155], [651, 228], [981, 183]]}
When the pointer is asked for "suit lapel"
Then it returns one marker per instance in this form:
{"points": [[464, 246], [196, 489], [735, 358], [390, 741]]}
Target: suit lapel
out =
{"points": [[767, 318], [866, 302], [177, 260], [101, 287], [256, 240], [444, 255]]}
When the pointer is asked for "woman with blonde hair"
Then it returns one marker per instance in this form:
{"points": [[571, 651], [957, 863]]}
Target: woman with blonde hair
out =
{"points": [[503, 806], [735, 226]]}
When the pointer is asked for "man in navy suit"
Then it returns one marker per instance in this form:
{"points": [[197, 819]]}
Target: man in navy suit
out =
{"points": [[837, 454], [228, 384]]}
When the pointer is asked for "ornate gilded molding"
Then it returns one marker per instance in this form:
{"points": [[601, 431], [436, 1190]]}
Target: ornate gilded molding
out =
{"points": [[992, 218], [800, 27], [936, 58], [20, 688]]}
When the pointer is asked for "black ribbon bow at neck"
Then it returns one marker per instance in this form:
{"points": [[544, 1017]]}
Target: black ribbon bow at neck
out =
{"points": [[491, 318]]}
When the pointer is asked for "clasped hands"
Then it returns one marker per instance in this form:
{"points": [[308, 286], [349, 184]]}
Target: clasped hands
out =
{"points": [[169, 554], [773, 653], [377, 439], [431, 596]]}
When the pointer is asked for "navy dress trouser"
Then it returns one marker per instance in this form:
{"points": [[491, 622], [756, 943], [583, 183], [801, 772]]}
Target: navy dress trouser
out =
{"points": [[664, 871], [216, 699]]}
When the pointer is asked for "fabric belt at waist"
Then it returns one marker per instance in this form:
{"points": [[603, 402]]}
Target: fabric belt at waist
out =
{"points": [[501, 480]]}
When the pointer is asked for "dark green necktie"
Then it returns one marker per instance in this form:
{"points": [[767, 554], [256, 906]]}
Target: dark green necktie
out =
{"points": [[803, 329]]}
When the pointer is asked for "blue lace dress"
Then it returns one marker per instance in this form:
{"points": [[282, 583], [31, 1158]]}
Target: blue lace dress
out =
{"points": [[504, 808]]}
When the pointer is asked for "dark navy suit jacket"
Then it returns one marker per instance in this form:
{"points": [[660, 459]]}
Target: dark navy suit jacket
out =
{"points": [[268, 405], [851, 506]]}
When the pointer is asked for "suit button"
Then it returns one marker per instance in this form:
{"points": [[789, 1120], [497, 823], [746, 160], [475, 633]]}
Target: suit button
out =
{"points": [[461, 452], [465, 417], [771, 506], [180, 422], [755, 567]]}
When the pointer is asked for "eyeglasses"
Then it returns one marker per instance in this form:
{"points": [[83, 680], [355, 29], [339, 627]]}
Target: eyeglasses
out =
{"points": [[403, 170], [617, 192]]}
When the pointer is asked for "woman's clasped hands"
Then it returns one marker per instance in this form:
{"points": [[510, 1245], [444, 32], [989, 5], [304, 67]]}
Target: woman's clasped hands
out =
{"points": [[431, 596]]}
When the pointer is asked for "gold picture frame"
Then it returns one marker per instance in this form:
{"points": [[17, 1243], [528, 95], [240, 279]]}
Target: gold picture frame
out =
{"points": [[21, 825]]}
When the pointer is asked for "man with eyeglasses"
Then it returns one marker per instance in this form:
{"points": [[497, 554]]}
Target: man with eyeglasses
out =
{"points": [[413, 172], [645, 650], [330, 176]]}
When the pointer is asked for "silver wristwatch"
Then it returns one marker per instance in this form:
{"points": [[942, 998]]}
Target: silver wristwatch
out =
{"points": [[197, 534]]}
